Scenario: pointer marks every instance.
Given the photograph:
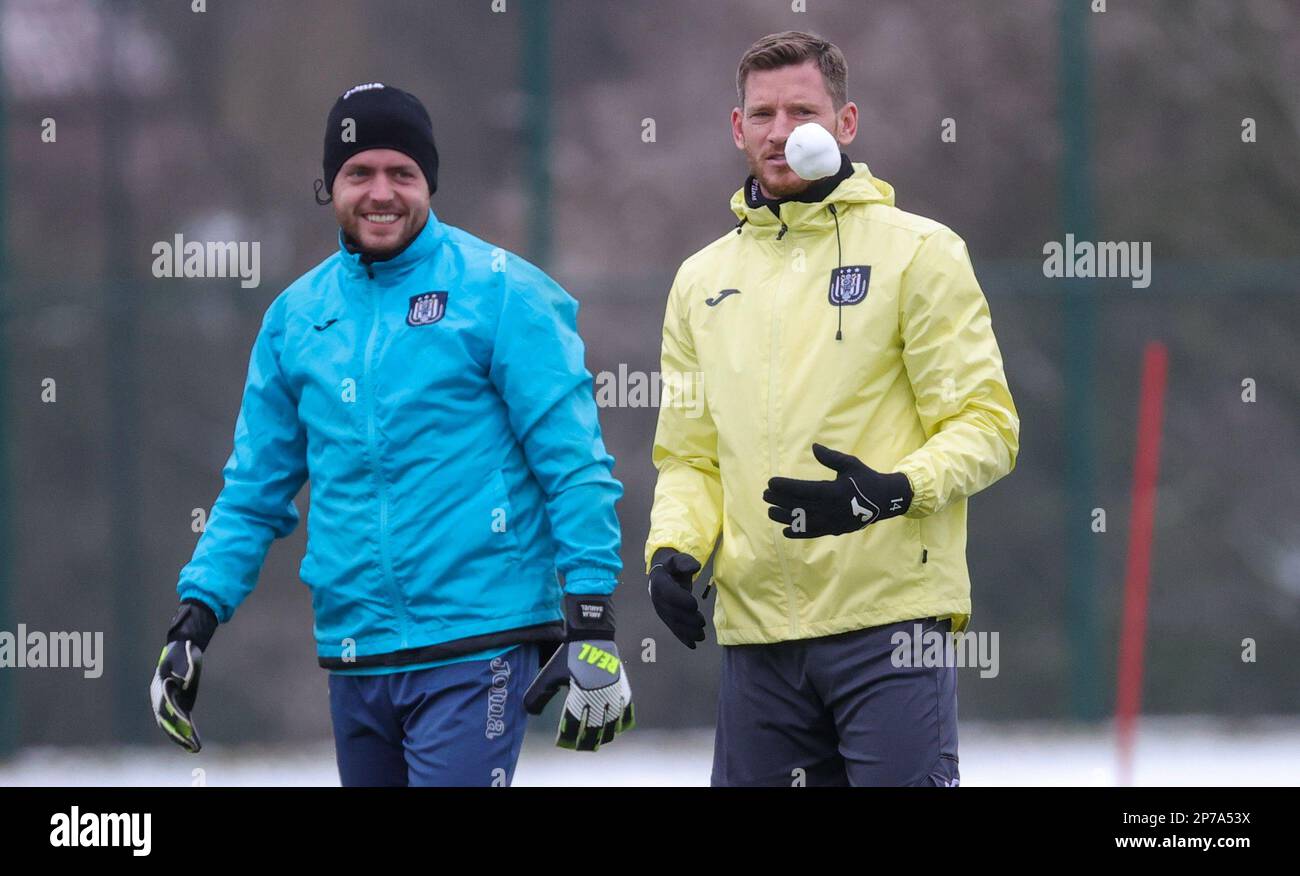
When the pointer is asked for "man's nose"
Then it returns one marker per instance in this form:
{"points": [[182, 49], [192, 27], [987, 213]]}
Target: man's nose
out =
{"points": [[380, 188], [781, 128]]}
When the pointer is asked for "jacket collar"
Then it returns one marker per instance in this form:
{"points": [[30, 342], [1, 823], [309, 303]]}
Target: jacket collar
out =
{"points": [[395, 266], [857, 187], [818, 191]]}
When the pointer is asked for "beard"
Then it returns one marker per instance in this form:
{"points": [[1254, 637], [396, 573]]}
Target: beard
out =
{"points": [[777, 182], [384, 246]]}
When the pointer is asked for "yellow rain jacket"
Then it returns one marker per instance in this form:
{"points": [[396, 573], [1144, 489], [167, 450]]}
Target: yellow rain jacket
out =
{"points": [[915, 385]]}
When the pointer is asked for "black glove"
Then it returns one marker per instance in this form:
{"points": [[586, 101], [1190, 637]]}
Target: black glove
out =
{"points": [[671, 573], [599, 704], [176, 678], [858, 497]]}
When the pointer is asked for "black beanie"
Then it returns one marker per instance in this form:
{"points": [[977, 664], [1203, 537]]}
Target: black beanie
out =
{"points": [[383, 117]]}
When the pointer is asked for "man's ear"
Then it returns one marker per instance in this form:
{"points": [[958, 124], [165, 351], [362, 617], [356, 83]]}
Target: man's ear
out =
{"points": [[737, 134], [847, 123]]}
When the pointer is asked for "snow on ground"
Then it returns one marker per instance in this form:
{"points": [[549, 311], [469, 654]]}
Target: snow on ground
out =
{"points": [[1170, 751]]}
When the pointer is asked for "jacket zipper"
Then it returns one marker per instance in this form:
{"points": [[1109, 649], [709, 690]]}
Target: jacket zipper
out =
{"points": [[395, 593], [772, 430]]}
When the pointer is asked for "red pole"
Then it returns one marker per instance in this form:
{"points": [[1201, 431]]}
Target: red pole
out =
{"points": [[1137, 570]]}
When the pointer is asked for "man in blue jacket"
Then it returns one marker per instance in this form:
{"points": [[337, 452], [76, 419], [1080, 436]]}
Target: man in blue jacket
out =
{"points": [[433, 389]]}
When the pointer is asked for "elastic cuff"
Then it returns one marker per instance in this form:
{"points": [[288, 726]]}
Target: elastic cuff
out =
{"points": [[590, 579], [923, 495], [682, 544], [192, 592]]}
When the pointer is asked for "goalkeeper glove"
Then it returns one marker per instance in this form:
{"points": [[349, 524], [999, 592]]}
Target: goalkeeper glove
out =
{"points": [[176, 677], [599, 703]]}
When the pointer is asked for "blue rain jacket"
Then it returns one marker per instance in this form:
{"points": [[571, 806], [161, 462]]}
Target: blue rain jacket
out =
{"points": [[439, 403]]}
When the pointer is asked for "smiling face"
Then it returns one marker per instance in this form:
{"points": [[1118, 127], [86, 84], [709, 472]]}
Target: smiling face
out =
{"points": [[381, 200], [776, 102]]}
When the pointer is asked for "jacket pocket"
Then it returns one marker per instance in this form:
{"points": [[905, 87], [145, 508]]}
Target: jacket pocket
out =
{"points": [[920, 551]]}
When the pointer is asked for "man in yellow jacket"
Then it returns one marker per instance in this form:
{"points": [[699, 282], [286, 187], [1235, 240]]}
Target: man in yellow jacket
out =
{"points": [[853, 398]]}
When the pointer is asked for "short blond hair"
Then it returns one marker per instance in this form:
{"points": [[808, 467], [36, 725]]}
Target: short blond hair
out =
{"points": [[796, 47]]}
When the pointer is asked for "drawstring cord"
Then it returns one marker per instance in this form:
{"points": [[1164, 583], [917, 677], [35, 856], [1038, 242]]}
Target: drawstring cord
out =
{"points": [[839, 258]]}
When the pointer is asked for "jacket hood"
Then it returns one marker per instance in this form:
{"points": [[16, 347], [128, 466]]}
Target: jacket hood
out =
{"points": [[860, 188]]}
